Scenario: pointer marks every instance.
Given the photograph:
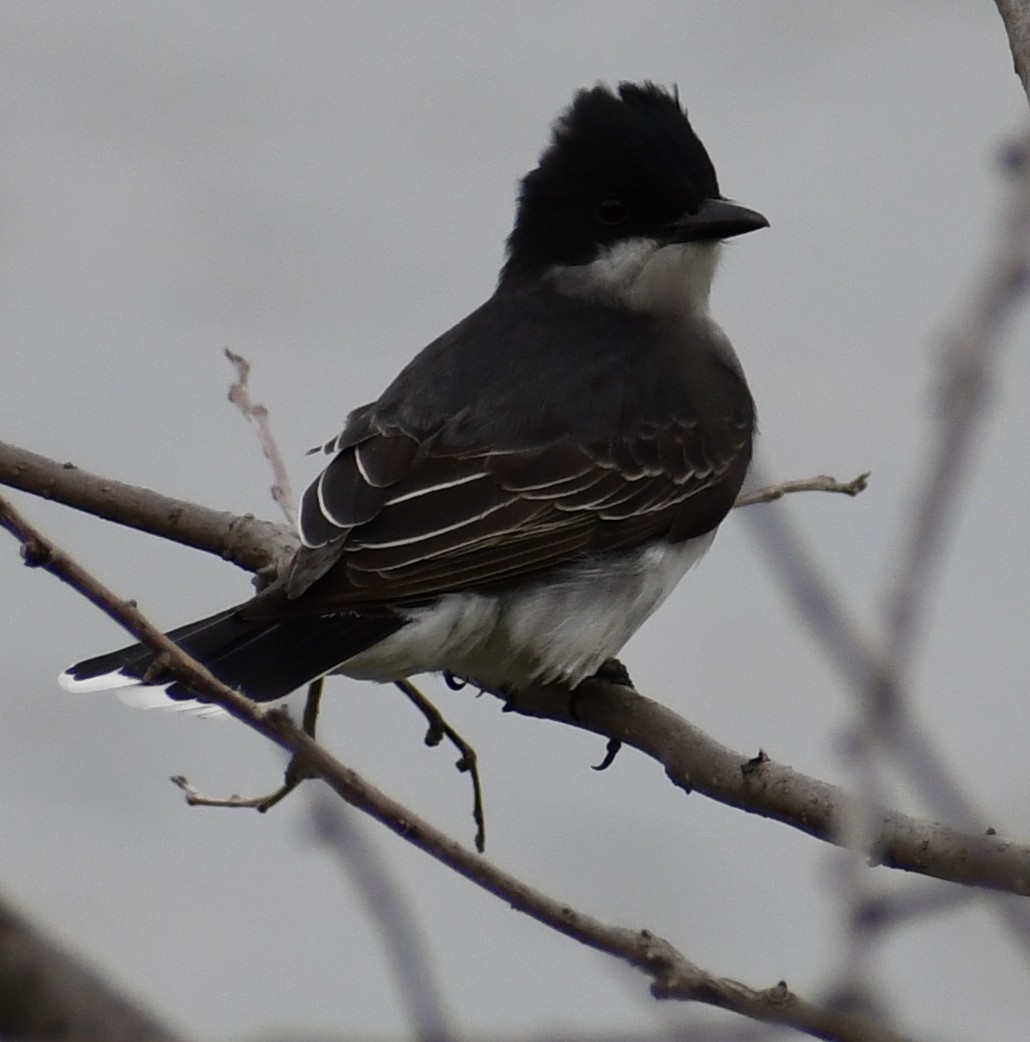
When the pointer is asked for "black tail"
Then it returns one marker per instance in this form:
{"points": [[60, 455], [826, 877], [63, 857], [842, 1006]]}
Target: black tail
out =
{"points": [[264, 658]]}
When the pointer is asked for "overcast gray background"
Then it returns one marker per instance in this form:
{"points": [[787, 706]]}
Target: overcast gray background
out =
{"points": [[325, 187]]}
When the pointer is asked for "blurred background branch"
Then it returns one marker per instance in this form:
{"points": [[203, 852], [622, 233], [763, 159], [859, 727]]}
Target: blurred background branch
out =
{"points": [[49, 995]]}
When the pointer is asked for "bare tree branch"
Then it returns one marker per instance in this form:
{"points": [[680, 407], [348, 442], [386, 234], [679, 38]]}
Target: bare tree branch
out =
{"points": [[673, 975], [697, 763], [969, 359], [244, 540], [877, 672], [899, 841], [828, 618]]}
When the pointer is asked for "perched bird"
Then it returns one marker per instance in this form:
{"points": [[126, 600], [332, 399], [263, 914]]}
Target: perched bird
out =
{"points": [[535, 482]]}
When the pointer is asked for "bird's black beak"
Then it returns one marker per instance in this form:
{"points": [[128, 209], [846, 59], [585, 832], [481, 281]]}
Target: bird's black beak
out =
{"points": [[714, 219]]}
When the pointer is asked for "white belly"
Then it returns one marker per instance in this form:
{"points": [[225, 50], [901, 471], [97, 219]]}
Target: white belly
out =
{"points": [[559, 632]]}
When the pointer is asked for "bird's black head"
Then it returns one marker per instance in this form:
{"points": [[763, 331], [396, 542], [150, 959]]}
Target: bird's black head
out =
{"points": [[621, 165]]}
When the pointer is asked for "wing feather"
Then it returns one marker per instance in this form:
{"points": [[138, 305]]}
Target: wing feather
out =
{"points": [[392, 519]]}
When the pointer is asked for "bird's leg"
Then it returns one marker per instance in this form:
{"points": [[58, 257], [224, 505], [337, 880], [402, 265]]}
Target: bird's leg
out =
{"points": [[467, 762], [296, 770]]}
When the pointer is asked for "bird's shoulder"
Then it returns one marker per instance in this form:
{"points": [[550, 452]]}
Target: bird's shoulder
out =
{"points": [[503, 453], [519, 366]]}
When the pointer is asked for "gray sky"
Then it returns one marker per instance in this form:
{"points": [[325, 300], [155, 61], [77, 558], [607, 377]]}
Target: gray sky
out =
{"points": [[324, 188]]}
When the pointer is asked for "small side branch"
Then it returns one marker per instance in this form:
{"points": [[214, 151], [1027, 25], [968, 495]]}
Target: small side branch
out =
{"points": [[195, 798], [820, 483], [239, 395]]}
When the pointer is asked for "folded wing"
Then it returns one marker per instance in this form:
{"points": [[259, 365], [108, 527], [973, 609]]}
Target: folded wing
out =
{"points": [[392, 518]]}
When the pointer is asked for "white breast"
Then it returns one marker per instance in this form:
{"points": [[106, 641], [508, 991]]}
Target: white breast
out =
{"points": [[563, 629]]}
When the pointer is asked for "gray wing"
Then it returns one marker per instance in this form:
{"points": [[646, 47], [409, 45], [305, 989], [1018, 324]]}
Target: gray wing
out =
{"points": [[393, 518]]}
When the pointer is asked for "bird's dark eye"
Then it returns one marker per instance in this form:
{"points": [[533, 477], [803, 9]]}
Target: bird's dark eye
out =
{"points": [[611, 210]]}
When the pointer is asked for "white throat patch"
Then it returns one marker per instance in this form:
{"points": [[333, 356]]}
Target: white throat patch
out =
{"points": [[643, 276]]}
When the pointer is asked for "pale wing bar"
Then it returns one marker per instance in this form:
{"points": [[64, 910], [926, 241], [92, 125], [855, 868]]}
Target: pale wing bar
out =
{"points": [[459, 520]]}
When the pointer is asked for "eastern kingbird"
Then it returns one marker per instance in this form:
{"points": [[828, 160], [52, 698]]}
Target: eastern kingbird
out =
{"points": [[535, 482]]}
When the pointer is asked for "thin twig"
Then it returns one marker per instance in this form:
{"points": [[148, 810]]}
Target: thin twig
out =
{"points": [[673, 976], [820, 483], [239, 395], [197, 799], [297, 770]]}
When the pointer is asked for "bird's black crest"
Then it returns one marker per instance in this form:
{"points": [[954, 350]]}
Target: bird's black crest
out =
{"points": [[623, 142], [602, 127]]}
